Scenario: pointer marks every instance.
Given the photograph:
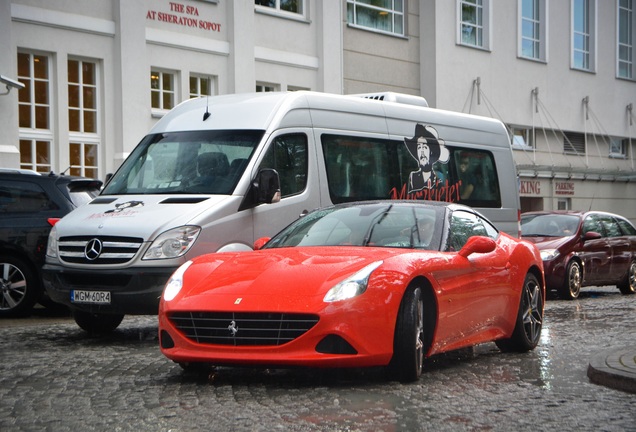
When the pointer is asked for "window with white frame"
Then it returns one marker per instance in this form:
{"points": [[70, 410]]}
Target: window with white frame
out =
{"points": [[35, 155], [533, 19], [564, 204], [296, 88], [618, 147], [626, 39], [82, 96], [263, 87], [34, 112], [285, 6], [583, 34], [521, 137], [162, 89], [201, 85], [83, 102], [474, 23], [385, 16], [83, 157]]}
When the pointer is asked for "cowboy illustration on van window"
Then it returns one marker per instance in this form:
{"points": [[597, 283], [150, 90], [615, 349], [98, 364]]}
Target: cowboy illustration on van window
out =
{"points": [[426, 148]]}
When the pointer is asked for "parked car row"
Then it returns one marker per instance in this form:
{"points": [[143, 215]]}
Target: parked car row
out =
{"points": [[581, 249], [30, 204]]}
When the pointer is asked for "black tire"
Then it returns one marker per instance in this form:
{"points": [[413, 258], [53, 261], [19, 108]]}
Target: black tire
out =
{"points": [[527, 332], [408, 346], [94, 323], [628, 285], [20, 287], [573, 278]]}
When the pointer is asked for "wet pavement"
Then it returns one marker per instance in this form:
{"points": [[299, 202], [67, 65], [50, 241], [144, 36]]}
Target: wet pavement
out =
{"points": [[54, 377]]}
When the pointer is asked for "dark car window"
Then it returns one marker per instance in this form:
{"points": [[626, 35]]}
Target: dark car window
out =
{"points": [[464, 225], [611, 226], [22, 197], [592, 224], [626, 227]]}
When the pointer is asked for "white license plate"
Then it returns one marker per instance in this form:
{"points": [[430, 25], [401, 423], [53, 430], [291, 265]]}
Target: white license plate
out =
{"points": [[93, 297]]}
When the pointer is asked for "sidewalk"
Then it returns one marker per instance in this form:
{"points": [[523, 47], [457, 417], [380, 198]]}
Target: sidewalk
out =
{"points": [[615, 368]]}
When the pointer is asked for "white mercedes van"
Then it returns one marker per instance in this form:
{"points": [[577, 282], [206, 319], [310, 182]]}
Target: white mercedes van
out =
{"points": [[217, 173]]}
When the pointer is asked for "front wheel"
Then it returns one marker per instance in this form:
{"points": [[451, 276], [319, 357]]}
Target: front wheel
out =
{"points": [[94, 323], [573, 278], [529, 318], [408, 346], [628, 285]]}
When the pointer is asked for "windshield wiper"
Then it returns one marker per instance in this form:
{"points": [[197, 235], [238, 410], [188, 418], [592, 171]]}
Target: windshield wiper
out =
{"points": [[376, 221]]}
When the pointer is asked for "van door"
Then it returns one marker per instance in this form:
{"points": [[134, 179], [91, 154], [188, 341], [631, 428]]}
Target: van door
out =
{"points": [[292, 154]]}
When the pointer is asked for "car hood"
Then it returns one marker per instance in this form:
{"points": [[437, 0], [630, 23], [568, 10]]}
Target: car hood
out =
{"points": [[278, 279], [142, 216], [545, 242]]}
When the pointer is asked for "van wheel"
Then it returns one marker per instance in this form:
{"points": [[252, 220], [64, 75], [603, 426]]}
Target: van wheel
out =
{"points": [[529, 323], [628, 285], [94, 323], [573, 278], [408, 345], [20, 287]]}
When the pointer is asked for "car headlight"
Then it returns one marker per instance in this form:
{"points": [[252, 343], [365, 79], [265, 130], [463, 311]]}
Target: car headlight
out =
{"points": [[175, 283], [51, 246], [352, 286], [172, 243], [549, 254]]}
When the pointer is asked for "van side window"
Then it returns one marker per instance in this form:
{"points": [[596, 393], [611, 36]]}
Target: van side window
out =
{"points": [[476, 171], [361, 168], [288, 156]]}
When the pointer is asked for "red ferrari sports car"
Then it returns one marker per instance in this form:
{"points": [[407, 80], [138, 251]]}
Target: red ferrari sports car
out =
{"points": [[383, 283]]}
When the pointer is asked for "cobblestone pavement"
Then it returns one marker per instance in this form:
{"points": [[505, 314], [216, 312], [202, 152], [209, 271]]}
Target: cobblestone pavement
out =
{"points": [[53, 377]]}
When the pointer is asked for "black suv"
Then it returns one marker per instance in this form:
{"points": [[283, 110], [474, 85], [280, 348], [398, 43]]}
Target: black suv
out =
{"points": [[30, 204]]}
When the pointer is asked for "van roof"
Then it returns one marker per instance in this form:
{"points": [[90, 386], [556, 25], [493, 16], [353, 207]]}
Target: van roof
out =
{"points": [[269, 111]]}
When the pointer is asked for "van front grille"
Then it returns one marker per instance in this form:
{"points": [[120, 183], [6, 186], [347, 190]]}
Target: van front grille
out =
{"points": [[242, 329], [98, 250]]}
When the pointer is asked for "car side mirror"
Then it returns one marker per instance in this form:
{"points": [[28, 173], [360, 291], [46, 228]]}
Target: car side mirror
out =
{"points": [[258, 244], [591, 235], [267, 186], [477, 244]]}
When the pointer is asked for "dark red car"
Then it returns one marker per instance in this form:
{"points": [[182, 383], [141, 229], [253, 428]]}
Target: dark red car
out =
{"points": [[583, 249]]}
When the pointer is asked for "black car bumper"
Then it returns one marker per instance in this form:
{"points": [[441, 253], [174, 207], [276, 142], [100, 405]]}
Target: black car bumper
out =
{"points": [[128, 291]]}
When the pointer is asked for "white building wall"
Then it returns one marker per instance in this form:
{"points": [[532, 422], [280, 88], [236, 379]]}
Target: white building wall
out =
{"points": [[242, 45]]}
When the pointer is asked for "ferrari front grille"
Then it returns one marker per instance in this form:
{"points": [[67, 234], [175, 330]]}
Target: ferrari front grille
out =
{"points": [[242, 329]]}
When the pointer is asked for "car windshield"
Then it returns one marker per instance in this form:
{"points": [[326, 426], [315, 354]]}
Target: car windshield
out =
{"points": [[201, 162], [383, 225], [549, 225]]}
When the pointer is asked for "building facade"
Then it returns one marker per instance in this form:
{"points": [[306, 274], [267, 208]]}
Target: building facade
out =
{"points": [[560, 74]]}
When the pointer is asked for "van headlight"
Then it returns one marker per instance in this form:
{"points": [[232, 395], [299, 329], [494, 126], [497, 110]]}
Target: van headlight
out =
{"points": [[51, 246], [173, 243], [352, 286], [175, 283]]}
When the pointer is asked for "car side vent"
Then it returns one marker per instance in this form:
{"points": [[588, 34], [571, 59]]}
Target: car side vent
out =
{"points": [[183, 200], [401, 98]]}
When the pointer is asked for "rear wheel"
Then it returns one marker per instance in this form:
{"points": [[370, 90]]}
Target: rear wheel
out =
{"points": [[408, 346], [20, 287], [527, 330], [94, 323], [628, 285], [573, 278]]}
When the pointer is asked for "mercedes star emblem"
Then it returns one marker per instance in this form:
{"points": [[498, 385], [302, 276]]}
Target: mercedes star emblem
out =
{"points": [[93, 249]]}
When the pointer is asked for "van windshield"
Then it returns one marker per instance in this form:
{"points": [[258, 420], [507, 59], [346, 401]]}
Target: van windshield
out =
{"points": [[200, 162]]}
